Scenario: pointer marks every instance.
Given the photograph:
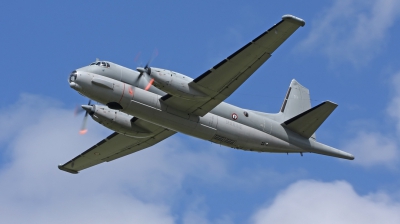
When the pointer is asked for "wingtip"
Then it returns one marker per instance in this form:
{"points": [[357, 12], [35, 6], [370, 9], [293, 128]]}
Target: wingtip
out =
{"points": [[67, 170], [294, 19]]}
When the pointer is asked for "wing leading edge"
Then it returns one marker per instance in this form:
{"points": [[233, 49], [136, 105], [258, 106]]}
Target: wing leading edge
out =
{"points": [[223, 79], [112, 147]]}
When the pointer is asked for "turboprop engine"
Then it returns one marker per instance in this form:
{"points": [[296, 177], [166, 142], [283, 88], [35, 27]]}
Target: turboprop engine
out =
{"points": [[117, 121], [173, 83]]}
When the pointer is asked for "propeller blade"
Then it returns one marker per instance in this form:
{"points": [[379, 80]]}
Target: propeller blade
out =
{"points": [[78, 110], [137, 58], [147, 69], [86, 108], [155, 54], [83, 128], [149, 85]]}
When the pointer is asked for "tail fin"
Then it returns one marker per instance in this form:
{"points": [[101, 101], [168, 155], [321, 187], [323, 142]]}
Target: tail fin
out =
{"points": [[297, 100]]}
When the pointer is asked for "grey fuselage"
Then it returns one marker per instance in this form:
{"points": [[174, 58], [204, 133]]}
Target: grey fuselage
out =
{"points": [[226, 124]]}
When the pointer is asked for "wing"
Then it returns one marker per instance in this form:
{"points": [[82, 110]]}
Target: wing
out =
{"points": [[224, 78], [113, 147]]}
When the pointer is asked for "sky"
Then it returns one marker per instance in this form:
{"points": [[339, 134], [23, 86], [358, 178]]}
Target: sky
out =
{"points": [[346, 53]]}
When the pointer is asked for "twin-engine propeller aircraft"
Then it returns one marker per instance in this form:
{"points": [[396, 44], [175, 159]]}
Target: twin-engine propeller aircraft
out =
{"points": [[146, 106]]}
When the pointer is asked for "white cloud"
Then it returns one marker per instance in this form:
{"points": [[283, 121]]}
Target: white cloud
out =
{"points": [[141, 188], [135, 189], [371, 149], [394, 106], [353, 30], [23, 113], [335, 202], [33, 189]]}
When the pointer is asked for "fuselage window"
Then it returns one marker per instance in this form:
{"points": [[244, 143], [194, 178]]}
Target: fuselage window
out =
{"points": [[108, 65], [93, 63], [103, 64], [98, 63]]}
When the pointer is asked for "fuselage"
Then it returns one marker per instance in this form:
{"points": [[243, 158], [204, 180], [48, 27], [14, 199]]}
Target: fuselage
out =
{"points": [[226, 124]]}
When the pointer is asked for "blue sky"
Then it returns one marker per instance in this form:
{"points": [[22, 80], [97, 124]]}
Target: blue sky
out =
{"points": [[347, 53]]}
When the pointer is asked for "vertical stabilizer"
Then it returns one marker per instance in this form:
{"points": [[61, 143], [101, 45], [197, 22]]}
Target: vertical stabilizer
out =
{"points": [[297, 100]]}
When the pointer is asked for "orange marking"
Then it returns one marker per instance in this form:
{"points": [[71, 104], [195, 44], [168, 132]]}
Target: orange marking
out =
{"points": [[149, 85], [131, 91], [82, 132]]}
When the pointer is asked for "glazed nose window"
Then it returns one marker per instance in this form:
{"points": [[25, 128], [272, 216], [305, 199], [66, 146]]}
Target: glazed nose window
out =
{"points": [[72, 77]]}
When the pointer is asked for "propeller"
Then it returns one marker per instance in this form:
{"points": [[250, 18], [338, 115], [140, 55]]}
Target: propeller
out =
{"points": [[89, 109], [146, 69], [137, 58]]}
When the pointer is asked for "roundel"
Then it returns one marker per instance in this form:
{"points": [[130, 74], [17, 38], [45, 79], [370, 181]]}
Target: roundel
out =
{"points": [[234, 116]]}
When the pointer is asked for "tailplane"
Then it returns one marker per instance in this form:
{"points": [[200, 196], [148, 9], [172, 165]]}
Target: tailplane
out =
{"points": [[306, 123], [296, 113]]}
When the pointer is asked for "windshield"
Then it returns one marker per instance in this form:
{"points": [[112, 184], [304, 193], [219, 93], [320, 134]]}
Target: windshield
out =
{"points": [[100, 63]]}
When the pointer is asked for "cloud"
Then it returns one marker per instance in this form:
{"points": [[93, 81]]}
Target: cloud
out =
{"points": [[34, 189], [311, 201], [143, 188], [353, 30], [372, 149], [137, 188], [394, 105], [22, 113]]}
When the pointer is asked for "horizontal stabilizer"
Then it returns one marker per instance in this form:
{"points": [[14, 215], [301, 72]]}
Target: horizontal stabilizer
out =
{"points": [[309, 121]]}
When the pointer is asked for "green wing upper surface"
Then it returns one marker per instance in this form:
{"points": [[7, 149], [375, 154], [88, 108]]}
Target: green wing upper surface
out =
{"points": [[223, 79], [114, 147]]}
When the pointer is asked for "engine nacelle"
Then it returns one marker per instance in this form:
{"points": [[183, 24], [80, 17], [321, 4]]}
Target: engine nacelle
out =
{"points": [[117, 121], [175, 84]]}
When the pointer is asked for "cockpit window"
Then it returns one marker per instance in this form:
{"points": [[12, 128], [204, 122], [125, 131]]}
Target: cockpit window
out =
{"points": [[101, 63]]}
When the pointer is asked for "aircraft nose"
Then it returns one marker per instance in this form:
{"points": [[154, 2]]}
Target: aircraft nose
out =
{"points": [[72, 78], [75, 86]]}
